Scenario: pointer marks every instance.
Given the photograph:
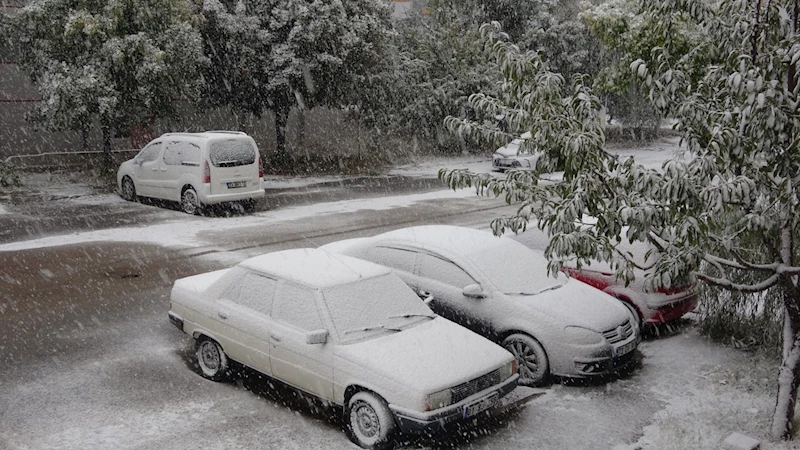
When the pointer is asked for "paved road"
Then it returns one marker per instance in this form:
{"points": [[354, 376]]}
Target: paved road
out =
{"points": [[88, 359]]}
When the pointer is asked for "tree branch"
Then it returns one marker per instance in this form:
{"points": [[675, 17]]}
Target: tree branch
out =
{"points": [[729, 285]]}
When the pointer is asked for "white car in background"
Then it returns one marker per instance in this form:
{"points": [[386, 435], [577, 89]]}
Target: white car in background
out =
{"points": [[500, 289], [347, 331], [650, 308], [515, 155], [195, 169]]}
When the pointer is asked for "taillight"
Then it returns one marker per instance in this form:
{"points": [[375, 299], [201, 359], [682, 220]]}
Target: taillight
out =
{"points": [[206, 173], [260, 168], [514, 367]]}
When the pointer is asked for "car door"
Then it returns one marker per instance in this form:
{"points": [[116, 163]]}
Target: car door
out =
{"points": [[179, 166], [445, 281], [146, 170], [295, 312], [245, 308]]}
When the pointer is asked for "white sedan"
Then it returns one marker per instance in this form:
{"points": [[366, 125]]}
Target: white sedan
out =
{"points": [[515, 155], [347, 331], [500, 289]]}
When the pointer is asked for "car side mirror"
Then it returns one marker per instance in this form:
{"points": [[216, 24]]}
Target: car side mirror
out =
{"points": [[317, 337], [474, 291]]}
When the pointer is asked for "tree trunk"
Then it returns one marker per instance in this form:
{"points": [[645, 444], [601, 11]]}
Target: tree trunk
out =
{"points": [[85, 139], [301, 132], [106, 128], [790, 366], [281, 119]]}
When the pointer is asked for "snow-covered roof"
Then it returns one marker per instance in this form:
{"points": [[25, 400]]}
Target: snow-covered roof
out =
{"points": [[205, 135], [313, 267], [460, 240]]}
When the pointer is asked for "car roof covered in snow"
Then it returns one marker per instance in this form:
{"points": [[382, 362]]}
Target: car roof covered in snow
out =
{"points": [[314, 267], [206, 135], [453, 239]]}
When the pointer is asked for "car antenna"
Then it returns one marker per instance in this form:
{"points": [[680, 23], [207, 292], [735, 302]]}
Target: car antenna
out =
{"points": [[318, 247]]}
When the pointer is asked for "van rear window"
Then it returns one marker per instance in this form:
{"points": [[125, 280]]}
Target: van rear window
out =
{"points": [[232, 153]]}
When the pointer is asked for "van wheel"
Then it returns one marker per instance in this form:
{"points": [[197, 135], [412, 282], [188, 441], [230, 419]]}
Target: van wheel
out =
{"points": [[190, 202], [212, 359], [128, 190], [531, 359], [370, 424], [249, 206]]}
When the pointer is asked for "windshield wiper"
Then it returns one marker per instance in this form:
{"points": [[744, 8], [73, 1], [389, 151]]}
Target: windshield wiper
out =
{"points": [[382, 327], [406, 316], [551, 288]]}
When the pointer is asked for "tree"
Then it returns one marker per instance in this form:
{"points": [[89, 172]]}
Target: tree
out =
{"points": [[292, 53], [739, 118], [123, 62]]}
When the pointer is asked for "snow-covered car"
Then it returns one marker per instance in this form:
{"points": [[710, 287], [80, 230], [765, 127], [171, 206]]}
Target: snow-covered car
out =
{"points": [[195, 169], [515, 155], [500, 289], [651, 308], [347, 331]]}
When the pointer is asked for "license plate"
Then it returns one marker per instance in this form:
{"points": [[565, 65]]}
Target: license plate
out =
{"points": [[237, 184], [480, 406], [624, 349]]}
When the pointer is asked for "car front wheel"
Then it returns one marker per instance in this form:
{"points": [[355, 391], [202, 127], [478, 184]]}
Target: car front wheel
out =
{"points": [[212, 359], [128, 189], [531, 359], [369, 421]]}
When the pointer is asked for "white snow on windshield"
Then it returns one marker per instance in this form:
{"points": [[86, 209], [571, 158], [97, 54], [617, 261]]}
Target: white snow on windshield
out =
{"points": [[515, 269], [377, 303]]}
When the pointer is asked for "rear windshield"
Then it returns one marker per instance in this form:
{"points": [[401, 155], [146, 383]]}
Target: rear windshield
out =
{"points": [[232, 153]]}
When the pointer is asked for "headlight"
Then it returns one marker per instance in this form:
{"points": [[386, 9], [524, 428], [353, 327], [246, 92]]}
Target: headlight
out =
{"points": [[439, 400], [508, 370], [582, 336]]}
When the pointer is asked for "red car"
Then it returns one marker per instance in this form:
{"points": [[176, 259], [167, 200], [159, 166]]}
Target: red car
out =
{"points": [[652, 308]]}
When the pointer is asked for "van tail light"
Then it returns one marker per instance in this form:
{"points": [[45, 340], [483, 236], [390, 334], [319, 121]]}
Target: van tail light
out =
{"points": [[260, 168], [206, 173]]}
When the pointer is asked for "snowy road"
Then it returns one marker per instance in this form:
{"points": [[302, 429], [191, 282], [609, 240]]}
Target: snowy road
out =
{"points": [[88, 359]]}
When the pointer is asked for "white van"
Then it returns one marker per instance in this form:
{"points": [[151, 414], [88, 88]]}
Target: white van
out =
{"points": [[195, 169]]}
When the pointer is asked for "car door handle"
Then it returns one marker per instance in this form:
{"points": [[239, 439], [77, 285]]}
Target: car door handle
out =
{"points": [[163, 169], [222, 314], [275, 337], [155, 168]]}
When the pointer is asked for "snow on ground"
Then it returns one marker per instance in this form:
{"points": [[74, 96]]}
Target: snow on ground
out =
{"points": [[97, 199], [293, 182], [184, 232], [650, 154], [3, 210]]}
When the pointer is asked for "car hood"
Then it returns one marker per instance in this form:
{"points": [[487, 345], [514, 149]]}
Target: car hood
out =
{"points": [[578, 304], [428, 357]]}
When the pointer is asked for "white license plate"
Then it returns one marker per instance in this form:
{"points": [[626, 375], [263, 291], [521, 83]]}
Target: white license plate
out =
{"points": [[237, 184], [480, 406], [625, 349]]}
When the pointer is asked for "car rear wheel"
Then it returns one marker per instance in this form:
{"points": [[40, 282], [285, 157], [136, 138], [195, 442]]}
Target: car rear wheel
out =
{"points": [[531, 359], [212, 359], [370, 423], [128, 190], [190, 202]]}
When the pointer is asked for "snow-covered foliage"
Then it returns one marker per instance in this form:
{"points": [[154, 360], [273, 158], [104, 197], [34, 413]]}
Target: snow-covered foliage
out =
{"points": [[122, 61], [734, 96], [278, 54]]}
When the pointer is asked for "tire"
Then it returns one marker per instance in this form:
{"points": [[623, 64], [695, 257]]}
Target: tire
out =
{"points": [[128, 189], [370, 424], [531, 359], [190, 202], [213, 361], [635, 312]]}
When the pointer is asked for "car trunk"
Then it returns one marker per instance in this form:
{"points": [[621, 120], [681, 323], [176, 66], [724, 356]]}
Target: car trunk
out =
{"points": [[233, 167]]}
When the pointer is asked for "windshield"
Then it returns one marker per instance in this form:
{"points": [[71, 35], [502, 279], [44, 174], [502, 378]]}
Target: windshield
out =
{"points": [[515, 269], [373, 307]]}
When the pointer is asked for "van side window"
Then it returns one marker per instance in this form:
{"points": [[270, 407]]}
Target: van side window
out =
{"points": [[177, 153]]}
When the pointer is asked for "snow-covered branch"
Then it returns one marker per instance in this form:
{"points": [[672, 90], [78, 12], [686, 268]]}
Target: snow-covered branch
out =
{"points": [[728, 284]]}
